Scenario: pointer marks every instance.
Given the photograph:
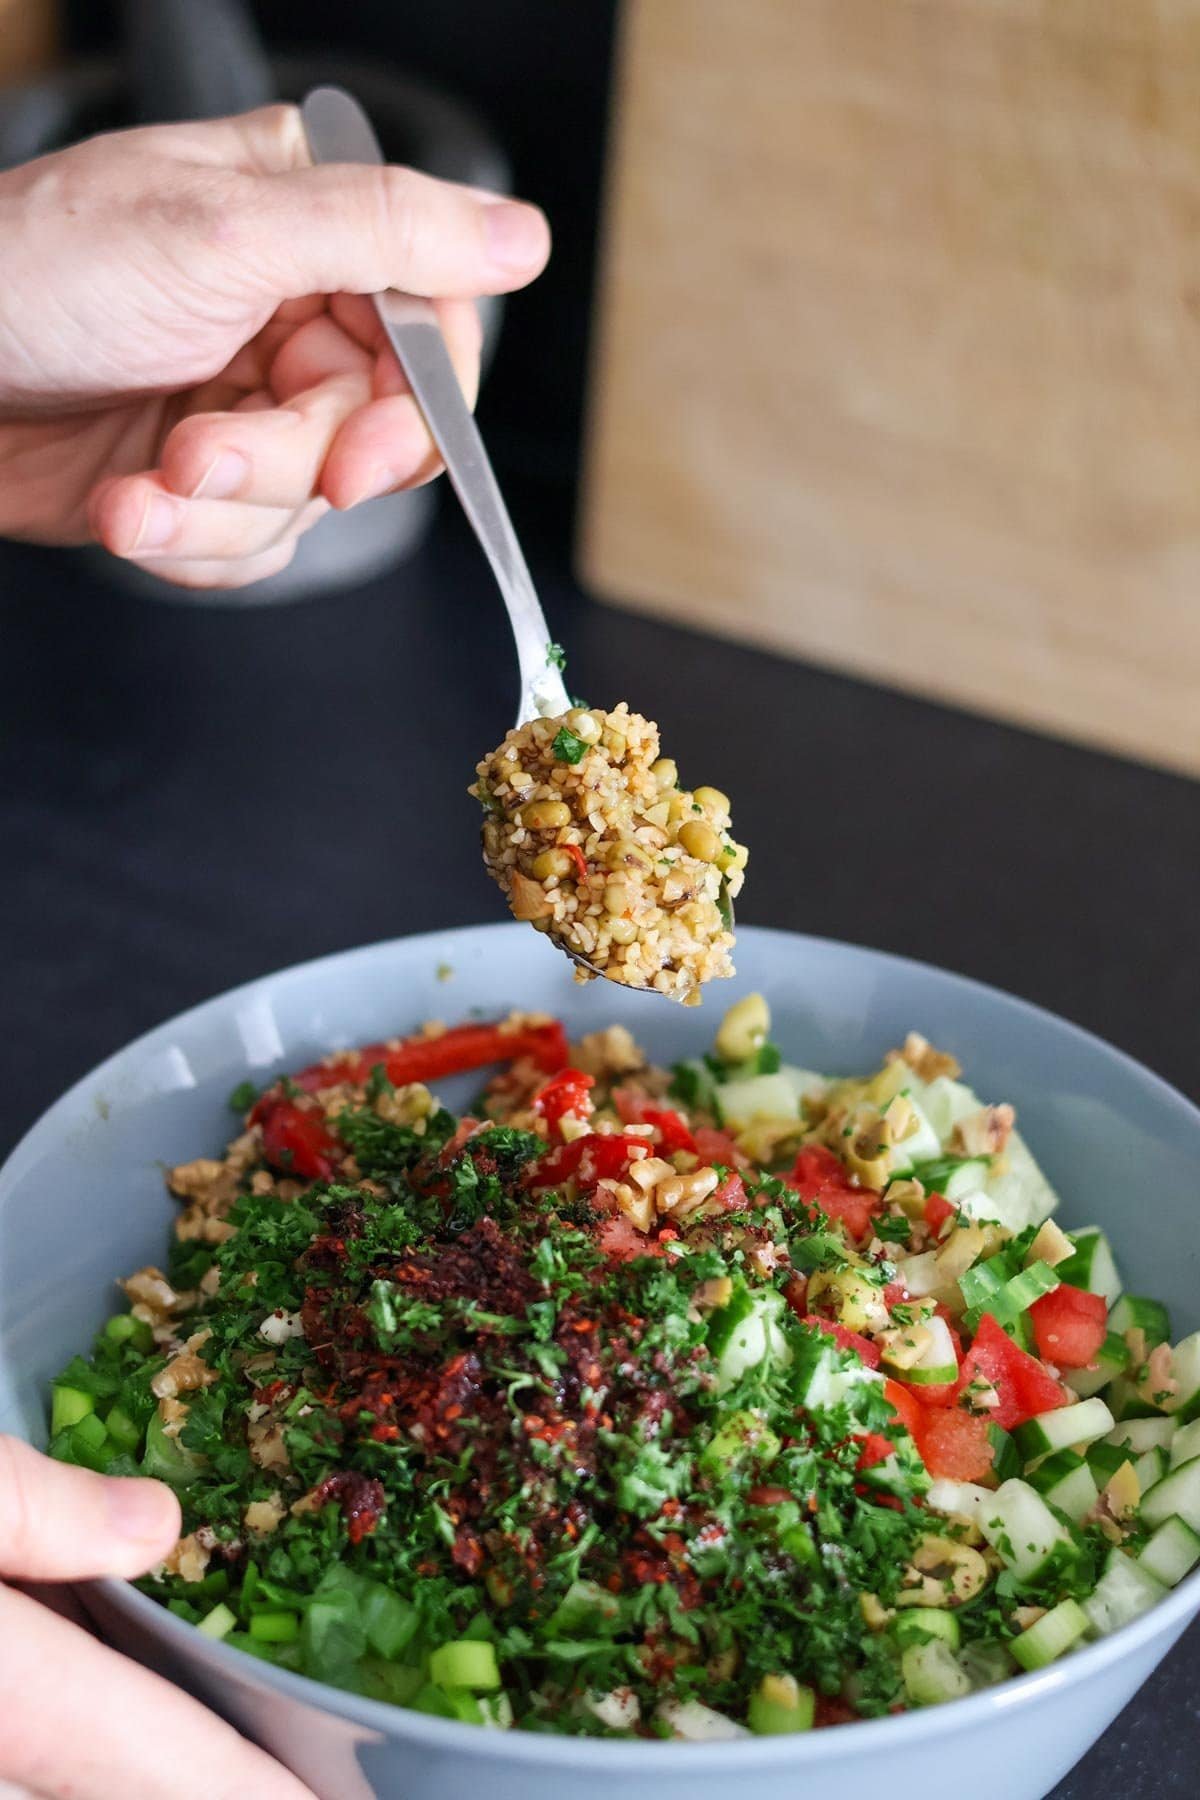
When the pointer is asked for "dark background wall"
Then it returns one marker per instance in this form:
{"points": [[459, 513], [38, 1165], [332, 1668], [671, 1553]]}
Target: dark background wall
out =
{"points": [[537, 72]]}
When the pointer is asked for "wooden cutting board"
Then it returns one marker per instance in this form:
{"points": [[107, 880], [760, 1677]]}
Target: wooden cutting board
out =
{"points": [[899, 348]]}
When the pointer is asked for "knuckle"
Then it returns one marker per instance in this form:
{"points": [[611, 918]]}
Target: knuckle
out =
{"points": [[399, 215]]}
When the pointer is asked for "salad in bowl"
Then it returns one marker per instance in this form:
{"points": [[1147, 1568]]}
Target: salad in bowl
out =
{"points": [[700, 1402]]}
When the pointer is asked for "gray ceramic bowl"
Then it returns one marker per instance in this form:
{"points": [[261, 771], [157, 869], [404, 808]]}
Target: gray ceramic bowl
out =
{"points": [[82, 1199]]}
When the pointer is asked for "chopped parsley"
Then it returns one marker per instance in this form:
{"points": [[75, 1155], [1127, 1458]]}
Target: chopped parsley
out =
{"points": [[567, 747]]}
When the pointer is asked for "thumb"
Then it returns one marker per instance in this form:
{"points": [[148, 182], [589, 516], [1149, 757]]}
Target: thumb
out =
{"points": [[59, 1523], [350, 228]]}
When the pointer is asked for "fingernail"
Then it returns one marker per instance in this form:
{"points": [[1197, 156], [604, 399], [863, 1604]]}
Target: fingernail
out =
{"points": [[516, 234], [138, 1509], [223, 477], [379, 482], [157, 526]]}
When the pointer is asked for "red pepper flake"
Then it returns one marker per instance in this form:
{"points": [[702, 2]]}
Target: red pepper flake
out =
{"points": [[360, 1497], [577, 857]]}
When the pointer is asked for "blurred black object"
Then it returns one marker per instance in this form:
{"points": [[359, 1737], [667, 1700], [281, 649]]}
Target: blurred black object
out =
{"points": [[194, 62]]}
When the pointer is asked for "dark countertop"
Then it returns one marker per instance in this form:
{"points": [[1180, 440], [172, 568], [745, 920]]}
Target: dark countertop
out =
{"points": [[191, 795]]}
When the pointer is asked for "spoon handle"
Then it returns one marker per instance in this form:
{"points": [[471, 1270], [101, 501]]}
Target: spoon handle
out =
{"points": [[339, 131]]}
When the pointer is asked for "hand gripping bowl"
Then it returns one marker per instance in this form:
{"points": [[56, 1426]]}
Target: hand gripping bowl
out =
{"points": [[82, 1197]]}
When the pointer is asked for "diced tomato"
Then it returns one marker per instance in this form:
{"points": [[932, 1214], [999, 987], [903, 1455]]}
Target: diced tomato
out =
{"points": [[905, 1404], [795, 1292], [822, 1180], [566, 1092], [634, 1109], [431, 1058], [847, 1339], [876, 1448], [1023, 1387], [731, 1194], [620, 1239], [954, 1445], [595, 1157], [1069, 1326], [297, 1141], [713, 1146], [937, 1211], [893, 1293], [832, 1712]]}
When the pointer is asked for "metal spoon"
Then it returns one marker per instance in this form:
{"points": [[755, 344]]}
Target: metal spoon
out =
{"points": [[339, 131]]}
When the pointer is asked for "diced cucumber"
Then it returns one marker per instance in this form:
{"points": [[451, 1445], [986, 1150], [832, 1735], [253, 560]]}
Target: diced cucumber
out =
{"points": [[1006, 1459], [1104, 1459], [1092, 1265], [1020, 1527], [943, 1101], [67, 1406], [828, 1385], [742, 1441], [931, 1674], [920, 1624], [91, 1446], [167, 1458], [1066, 1481], [805, 1082], [780, 1705], [1111, 1360], [1016, 1193], [1185, 1444], [1133, 1312], [1145, 1434], [121, 1428], [1178, 1495], [123, 1328], [746, 1333], [218, 1623], [757, 1097], [465, 1663], [1053, 1633], [937, 1363], [1123, 1593], [1150, 1467], [1172, 1552], [966, 1498], [968, 1178], [275, 1627], [1185, 1368], [920, 1145], [985, 1662], [1129, 1402], [1081, 1423]]}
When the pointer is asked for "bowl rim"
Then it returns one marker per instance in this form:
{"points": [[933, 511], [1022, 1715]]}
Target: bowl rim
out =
{"points": [[383, 1720]]}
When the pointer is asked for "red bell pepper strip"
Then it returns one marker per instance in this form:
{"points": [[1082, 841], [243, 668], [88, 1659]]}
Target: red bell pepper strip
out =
{"points": [[1022, 1386], [564, 1093], [597, 1157], [577, 857], [297, 1141], [634, 1109], [1069, 1326], [430, 1058]]}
